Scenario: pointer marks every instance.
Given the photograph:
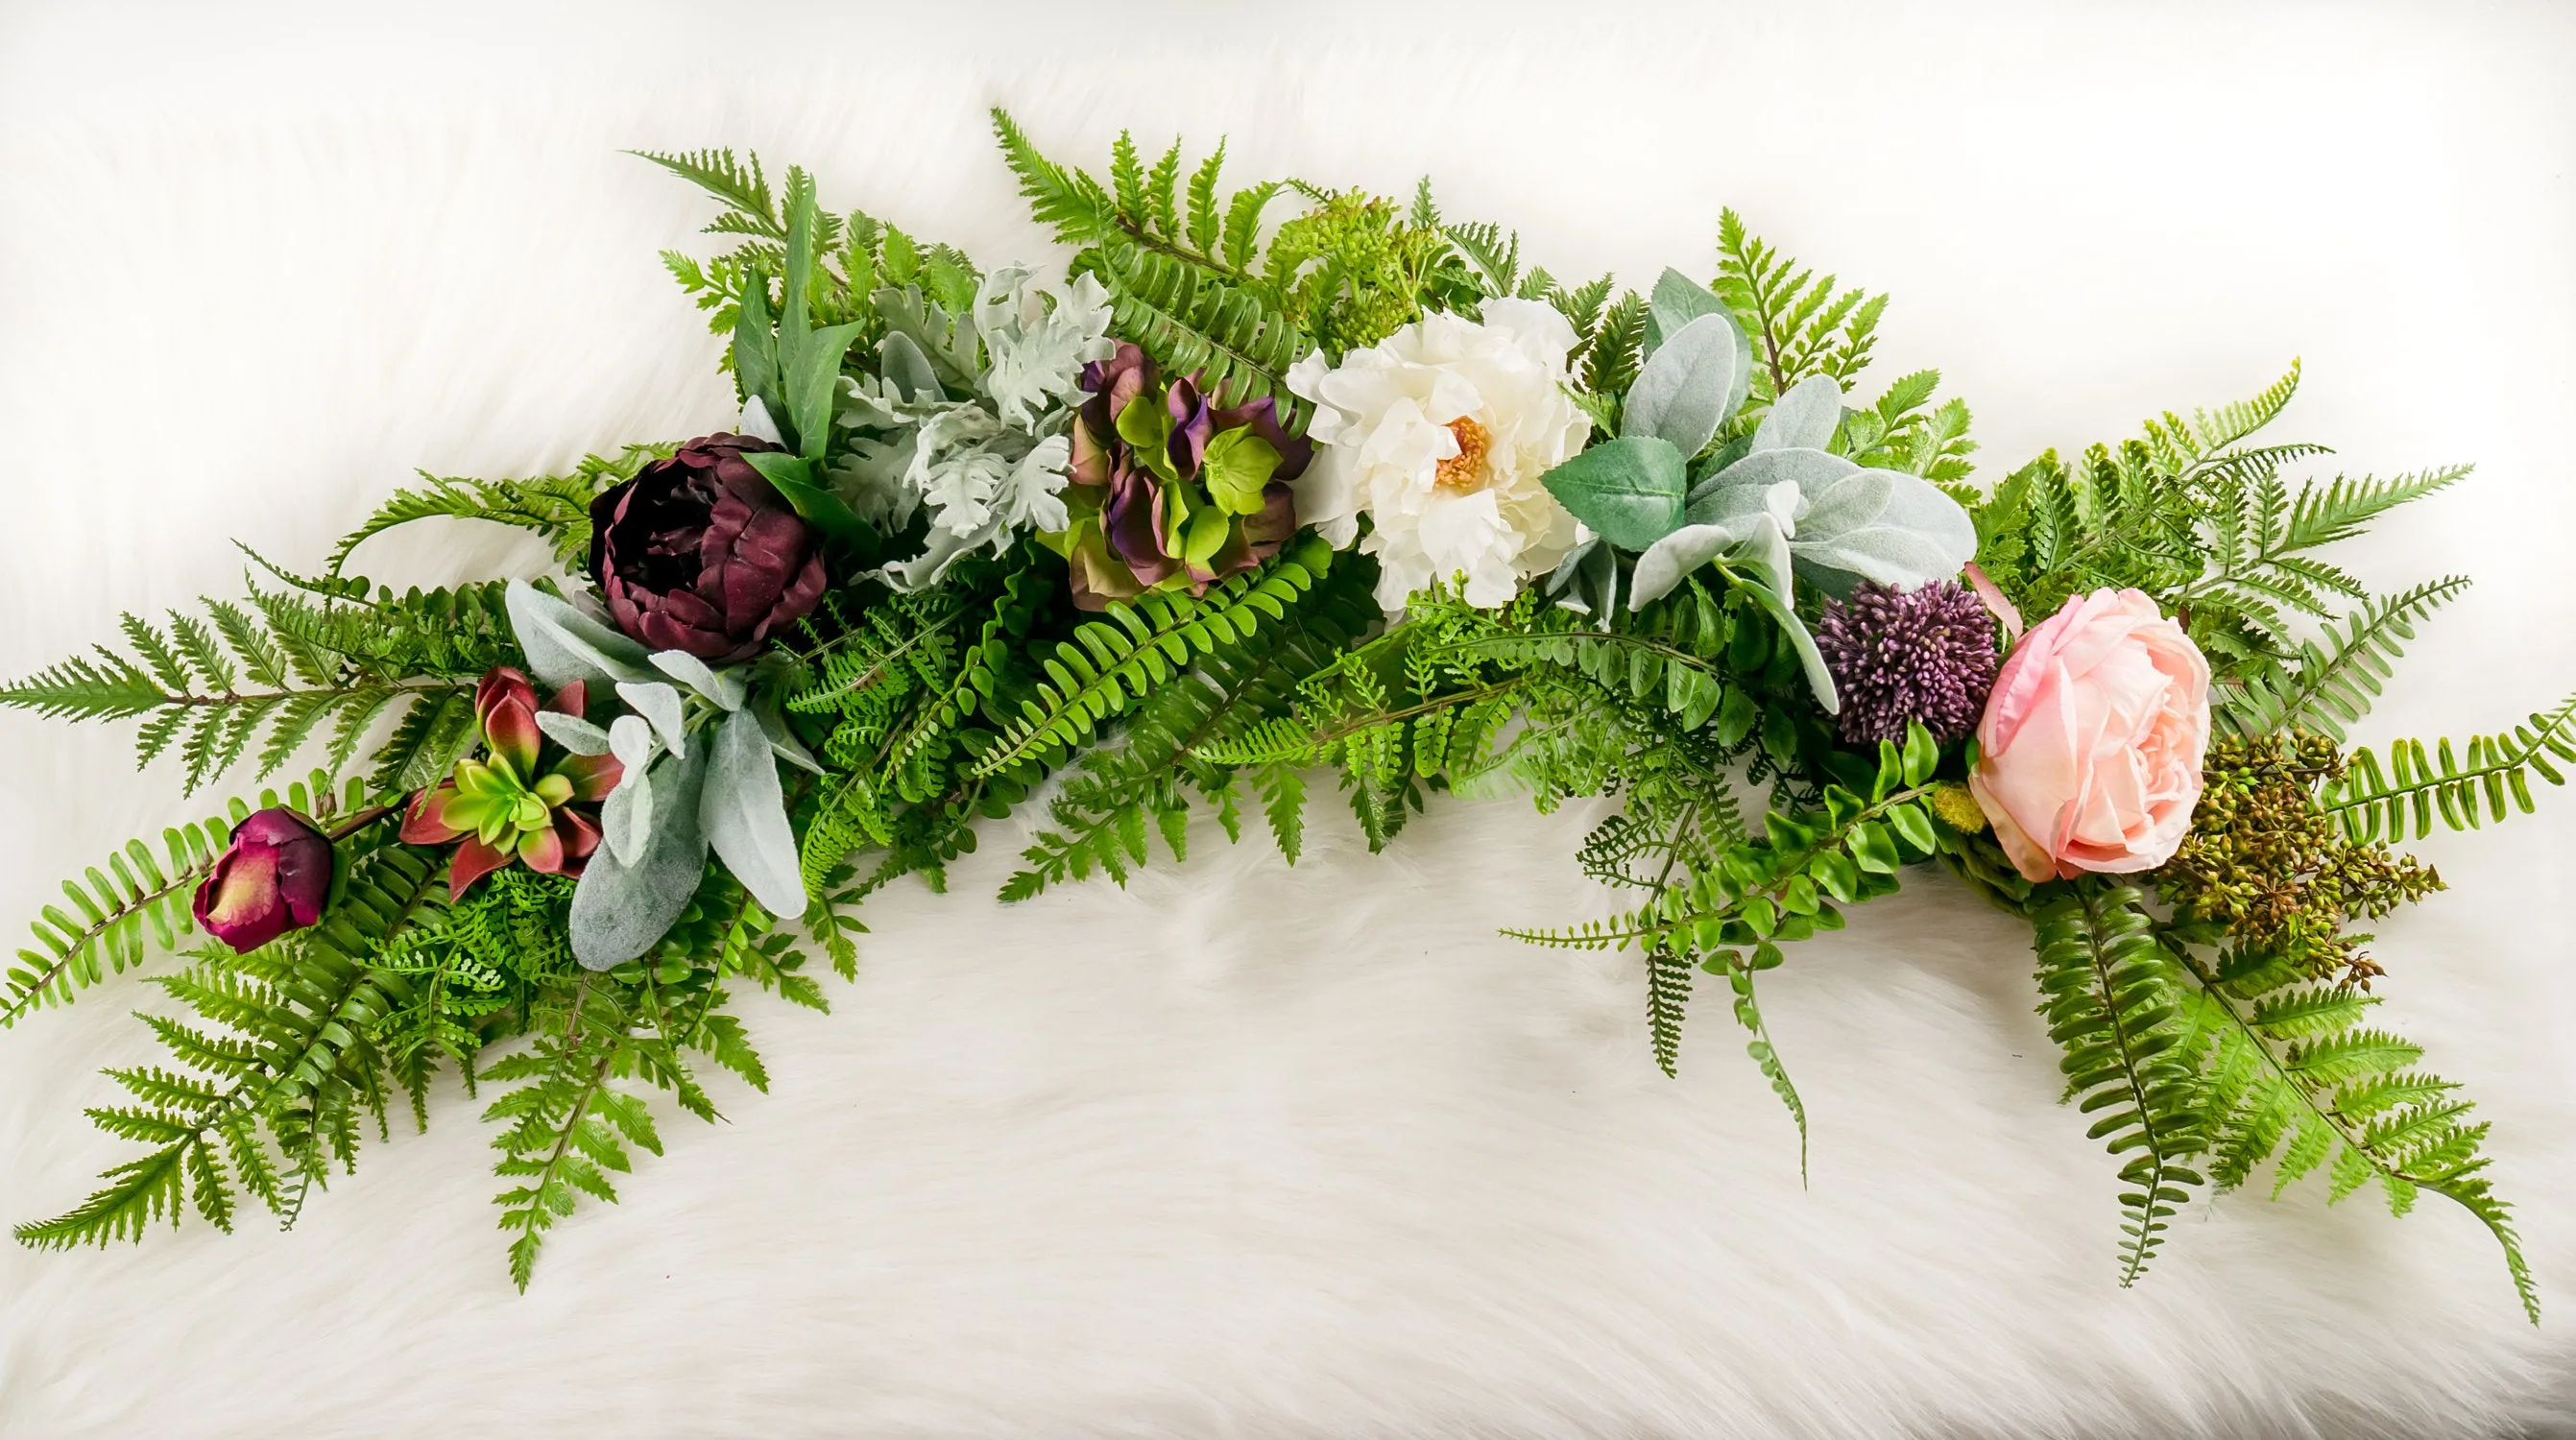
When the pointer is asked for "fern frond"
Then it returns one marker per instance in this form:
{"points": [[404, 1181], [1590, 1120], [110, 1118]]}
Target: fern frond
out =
{"points": [[1113, 663], [1190, 319], [2290, 1075], [2492, 773], [741, 187], [138, 902], [554, 507], [2113, 997], [2332, 686]]}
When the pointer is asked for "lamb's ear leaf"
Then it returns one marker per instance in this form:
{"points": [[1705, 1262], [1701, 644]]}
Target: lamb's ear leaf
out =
{"points": [[1629, 490], [1690, 385], [1674, 556], [1887, 526], [619, 910], [744, 814], [1805, 418], [563, 644], [907, 367], [793, 477], [1677, 301]]}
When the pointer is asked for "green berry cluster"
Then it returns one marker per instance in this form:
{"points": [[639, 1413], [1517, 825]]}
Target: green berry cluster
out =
{"points": [[2263, 859]]}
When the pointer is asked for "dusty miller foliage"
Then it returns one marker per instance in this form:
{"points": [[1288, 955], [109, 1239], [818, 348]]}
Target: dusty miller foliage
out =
{"points": [[2214, 1017]]}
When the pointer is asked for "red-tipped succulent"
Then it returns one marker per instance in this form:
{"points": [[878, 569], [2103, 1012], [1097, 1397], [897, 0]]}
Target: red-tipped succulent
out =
{"points": [[700, 553], [274, 877], [512, 805]]}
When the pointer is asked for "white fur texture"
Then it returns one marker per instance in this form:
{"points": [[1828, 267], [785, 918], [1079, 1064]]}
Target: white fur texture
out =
{"points": [[1246, 1151]]}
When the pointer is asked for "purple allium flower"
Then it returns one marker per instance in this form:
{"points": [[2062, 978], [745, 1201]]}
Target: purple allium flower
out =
{"points": [[1927, 655]]}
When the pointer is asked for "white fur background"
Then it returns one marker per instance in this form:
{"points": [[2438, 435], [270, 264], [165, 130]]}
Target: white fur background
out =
{"points": [[1245, 1151]]}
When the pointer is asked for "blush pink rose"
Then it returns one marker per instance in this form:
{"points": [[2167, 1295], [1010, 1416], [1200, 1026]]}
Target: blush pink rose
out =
{"points": [[2090, 749]]}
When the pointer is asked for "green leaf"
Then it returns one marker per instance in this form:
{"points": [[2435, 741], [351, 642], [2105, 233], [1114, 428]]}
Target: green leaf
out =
{"points": [[1238, 464], [1628, 490], [1691, 385], [1922, 753], [793, 477], [1678, 300], [755, 346]]}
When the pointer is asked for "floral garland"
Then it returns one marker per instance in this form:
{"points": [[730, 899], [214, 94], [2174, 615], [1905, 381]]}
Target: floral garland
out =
{"points": [[1242, 503]]}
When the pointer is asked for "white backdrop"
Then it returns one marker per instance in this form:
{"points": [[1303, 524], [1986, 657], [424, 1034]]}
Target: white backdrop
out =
{"points": [[1241, 1150]]}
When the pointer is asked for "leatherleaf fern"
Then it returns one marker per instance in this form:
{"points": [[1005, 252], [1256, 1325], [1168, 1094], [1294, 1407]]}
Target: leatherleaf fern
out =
{"points": [[2289, 1072], [277, 1071], [314, 661], [119, 914], [2113, 996]]}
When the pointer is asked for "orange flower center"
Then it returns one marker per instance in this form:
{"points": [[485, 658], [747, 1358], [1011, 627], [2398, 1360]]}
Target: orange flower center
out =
{"points": [[1464, 472]]}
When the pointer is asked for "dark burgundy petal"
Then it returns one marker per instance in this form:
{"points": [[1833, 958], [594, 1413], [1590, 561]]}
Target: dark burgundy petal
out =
{"points": [[1276, 525], [700, 553], [1191, 426], [274, 877]]}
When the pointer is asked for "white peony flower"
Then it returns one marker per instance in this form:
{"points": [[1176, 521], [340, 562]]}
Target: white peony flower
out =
{"points": [[1439, 434]]}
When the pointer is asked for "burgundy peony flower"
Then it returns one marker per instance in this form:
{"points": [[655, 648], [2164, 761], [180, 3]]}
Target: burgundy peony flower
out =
{"points": [[503, 807], [700, 553], [273, 878]]}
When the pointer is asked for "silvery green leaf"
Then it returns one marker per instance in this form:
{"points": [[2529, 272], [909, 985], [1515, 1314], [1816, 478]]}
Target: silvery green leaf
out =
{"points": [[744, 814], [1733, 504], [1887, 526], [756, 423], [908, 368], [1805, 418], [563, 645], [1588, 579], [626, 816], [1813, 471], [723, 687], [630, 739], [1676, 555], [783, 742], [658, 703], [1819, 679], [620, 909], [940, 549], [573, 732], [1690, 385], [1677, 301]]}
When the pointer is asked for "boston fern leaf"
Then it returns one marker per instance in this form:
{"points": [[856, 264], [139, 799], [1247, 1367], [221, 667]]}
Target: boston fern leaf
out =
{"points": [[742, 187], [2114, 998], [2332, 686], [568, 1126], [1102, 817], [136, 902], [2291, 1073], [554, 507], [295, 667], [1191, 319], [2398, 802], [1112, 663], [283, 1066]]}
